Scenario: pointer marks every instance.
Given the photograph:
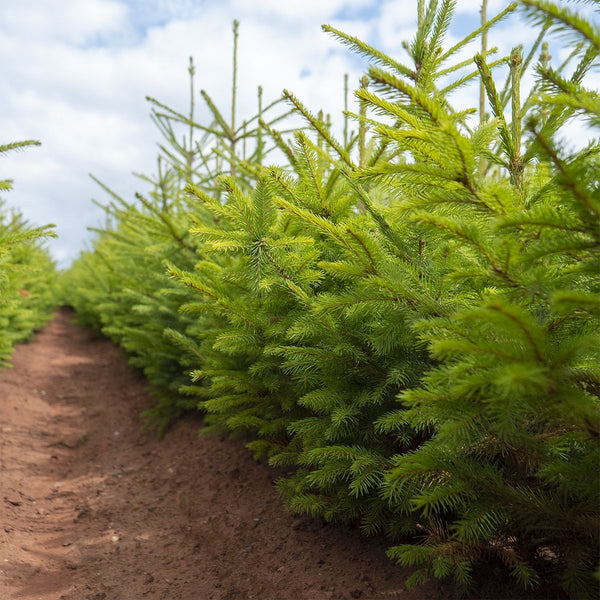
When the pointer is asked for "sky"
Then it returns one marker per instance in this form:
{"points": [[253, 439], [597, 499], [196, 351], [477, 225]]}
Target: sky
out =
{"points": [[76, 73]]}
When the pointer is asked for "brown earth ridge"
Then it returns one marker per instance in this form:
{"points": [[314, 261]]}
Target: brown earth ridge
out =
{"points": [[92, 508]]}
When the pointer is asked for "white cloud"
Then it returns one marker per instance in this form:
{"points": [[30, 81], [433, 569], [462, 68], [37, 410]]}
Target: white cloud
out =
{"points": [[70, 21], [295, 10], [76, 73]]}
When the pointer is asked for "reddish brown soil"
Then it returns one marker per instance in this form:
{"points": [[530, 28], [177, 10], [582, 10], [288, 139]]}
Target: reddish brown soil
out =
{"points": [[92, 508]]}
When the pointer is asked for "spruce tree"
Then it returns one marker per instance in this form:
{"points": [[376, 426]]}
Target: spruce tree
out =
{"points": [[511, 411], [122, 287], [27, 278]]}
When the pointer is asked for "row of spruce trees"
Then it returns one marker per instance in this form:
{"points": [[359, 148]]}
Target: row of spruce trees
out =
{"points": [[406, 319], [28, 281]]}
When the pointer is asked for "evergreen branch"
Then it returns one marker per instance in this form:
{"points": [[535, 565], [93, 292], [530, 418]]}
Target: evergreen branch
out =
{"points": [[389, 108], [442, 24], [485, 27], [571, 94], [4, 148], [429, 175], [185, 342], [496, 105], [180, 118], [194, 283], [319, 127], [280, 142], [28, 235], [566, 180], [383, 225], [466, 78], [286, 185], [369, 52], [441, 119], [311, 167], [372, 268], [484, 45], [319, 222], [563, 18], [465, 63], [516, 162], [533, 222], [515, 317], [588, 60], [470, 236], [323, 353], [226, 130], [110, 191], [167, 221], [431, 58]]}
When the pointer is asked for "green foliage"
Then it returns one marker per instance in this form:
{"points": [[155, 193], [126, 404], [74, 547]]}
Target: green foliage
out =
{"points": [[408, 322], [513, 403], [27, 274], [121, 288]]}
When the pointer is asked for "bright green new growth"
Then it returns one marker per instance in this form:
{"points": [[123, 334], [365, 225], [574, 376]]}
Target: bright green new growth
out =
{"points": [[406, 319], [27, 279]]}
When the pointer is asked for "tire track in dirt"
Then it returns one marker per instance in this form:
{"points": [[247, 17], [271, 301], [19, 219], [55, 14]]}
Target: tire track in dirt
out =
{"points": [[91, 508]]}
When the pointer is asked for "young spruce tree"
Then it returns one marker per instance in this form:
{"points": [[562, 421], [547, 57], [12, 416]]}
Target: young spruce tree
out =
{"points": [[27, 277]]}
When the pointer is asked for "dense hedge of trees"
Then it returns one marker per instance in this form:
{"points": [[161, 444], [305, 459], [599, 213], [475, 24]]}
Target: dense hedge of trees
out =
{"points": [[28, 282], [406, 318]]}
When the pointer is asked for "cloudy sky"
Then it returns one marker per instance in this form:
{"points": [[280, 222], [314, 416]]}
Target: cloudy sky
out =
{"points": [[76, 72]]}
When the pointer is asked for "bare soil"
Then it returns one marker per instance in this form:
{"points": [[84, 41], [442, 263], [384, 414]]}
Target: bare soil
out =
{"points": [[91, 508]]}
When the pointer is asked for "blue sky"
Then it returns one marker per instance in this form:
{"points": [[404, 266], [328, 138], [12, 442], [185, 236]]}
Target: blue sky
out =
{"points": [[76, 73]]}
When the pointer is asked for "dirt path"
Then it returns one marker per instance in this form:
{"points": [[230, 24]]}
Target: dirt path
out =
{"points": [[91, 508]]}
